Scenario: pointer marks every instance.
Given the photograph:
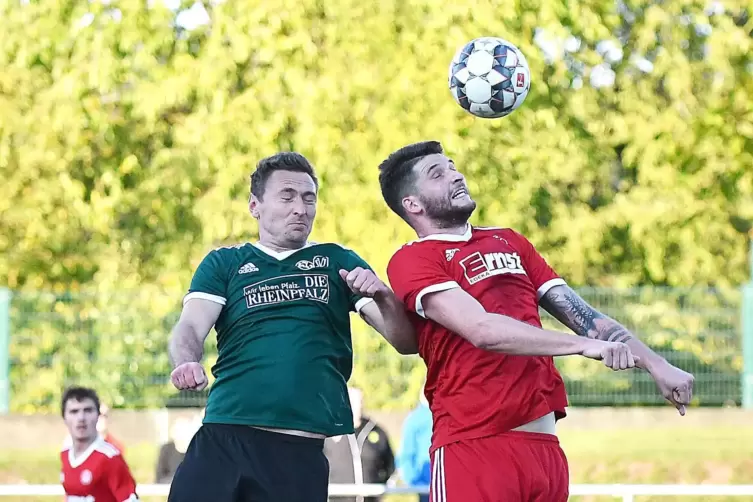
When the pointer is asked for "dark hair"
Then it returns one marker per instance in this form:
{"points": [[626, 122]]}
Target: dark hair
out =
{"points": [[78, 394], [396, 176], [283, 161]]}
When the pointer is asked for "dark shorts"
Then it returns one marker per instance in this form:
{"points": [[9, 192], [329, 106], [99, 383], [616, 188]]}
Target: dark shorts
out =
{"points": [[237, 463]]}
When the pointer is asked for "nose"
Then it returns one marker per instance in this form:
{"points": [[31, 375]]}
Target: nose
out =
{"points": [[457, 177], [299, 207]]}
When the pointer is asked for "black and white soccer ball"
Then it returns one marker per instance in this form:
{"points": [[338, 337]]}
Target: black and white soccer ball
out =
{"points": [[489, 77]]}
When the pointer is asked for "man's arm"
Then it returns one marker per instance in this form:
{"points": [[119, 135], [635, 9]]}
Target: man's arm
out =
{"points": [[120, 481], [574, 312], [386, 313], [459, 312], [186, 346], [191, 330]]}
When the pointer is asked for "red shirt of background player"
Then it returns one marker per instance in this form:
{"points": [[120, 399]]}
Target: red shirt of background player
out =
{"points": [[475, 393], [100, 474]]}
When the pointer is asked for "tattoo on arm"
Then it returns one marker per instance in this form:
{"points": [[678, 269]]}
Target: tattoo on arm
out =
{"points": [[575, 313]]}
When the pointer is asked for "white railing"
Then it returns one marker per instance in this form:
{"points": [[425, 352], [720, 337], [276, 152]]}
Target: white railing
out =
{"points": [[626, 492]]}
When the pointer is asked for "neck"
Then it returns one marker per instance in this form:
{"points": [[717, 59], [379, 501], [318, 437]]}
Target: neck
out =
{"points": [[434, 228], [81, 445], [280, 246]]}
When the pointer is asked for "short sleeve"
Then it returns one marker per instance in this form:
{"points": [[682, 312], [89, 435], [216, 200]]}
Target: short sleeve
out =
{"points": [[539, 272], [209, 281], [352, 260], [414, 273], [121, 482]]}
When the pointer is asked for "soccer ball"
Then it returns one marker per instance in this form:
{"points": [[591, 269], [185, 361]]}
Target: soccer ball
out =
{"points": [[489, 77]]}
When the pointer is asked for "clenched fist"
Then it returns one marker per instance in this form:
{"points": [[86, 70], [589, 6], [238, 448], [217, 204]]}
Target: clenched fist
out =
{"points": [[364, 282], [614, 355], [189, 376], [674, 384]]}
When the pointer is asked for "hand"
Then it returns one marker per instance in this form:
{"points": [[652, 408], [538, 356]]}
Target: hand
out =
{"points": [[364, 282], [615, 355], [674, 384], [189, 376]]}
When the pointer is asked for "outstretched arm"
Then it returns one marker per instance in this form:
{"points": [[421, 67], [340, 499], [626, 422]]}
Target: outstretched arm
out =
{"points": [[459, 312], [186, 345], [386, 313], [574, 312]]}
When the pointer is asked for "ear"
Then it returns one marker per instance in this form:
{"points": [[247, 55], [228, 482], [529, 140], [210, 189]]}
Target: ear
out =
{"points": [[411, 204], [253, 206]]}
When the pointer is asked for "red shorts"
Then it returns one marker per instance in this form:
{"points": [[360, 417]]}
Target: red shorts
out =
{"points": [[511, 467]]}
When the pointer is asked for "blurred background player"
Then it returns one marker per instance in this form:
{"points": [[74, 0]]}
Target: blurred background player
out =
{"points": [[92, 468], [103, 427], [413, 461], [363, 457], [492, 386], [281, 309], [171, 454]]}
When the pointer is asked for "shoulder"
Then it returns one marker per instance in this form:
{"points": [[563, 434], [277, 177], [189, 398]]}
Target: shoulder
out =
{"points": [[230, 250], [332, 248], [339, 253], [510, 235], [225, 256], [416, 418], [416, 250], [498, 231], [107, 449]]}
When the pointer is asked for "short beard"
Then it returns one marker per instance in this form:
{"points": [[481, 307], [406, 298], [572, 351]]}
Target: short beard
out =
{"points": [[444, 215]]}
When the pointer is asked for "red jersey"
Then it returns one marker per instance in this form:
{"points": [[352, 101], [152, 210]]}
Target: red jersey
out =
{"points": [[472, 392], [97, 475]]}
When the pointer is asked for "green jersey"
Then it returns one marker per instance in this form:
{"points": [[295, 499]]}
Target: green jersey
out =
{"points": [[283, 336]]}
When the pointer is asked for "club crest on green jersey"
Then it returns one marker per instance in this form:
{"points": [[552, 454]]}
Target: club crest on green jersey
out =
{"points": [[315, 262]]}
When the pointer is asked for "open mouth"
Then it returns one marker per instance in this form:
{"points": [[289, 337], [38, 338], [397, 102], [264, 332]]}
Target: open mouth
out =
{"points": [[460, 192]]}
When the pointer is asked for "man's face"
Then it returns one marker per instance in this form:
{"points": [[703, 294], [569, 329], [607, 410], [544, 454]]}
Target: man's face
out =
{"points": [[442, 192], [81, 419], [287, 208]]}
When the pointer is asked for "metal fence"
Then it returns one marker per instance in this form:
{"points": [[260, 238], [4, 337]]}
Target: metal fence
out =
{"points": [[117, 342]]}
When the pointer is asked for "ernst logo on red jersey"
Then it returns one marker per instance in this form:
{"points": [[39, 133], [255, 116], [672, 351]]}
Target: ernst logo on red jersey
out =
{"points": [[478, 267]]}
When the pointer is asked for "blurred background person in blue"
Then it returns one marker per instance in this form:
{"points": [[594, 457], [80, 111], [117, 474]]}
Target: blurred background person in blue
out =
{"points": [[413, 462]]}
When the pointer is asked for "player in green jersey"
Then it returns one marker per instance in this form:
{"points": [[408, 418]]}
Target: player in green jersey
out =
{"points": [[281, 309]]}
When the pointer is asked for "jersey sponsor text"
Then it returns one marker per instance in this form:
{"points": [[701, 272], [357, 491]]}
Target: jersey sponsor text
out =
{"points": [[288, 288], [478, 267]]}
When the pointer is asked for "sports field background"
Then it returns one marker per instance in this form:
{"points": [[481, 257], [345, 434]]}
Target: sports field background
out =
{"points": [[129, 130], [658, 454]]}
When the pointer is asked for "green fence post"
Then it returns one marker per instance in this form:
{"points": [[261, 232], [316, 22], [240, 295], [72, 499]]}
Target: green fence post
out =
{"points": [[4, 351], [747, 328], [747, 325]]}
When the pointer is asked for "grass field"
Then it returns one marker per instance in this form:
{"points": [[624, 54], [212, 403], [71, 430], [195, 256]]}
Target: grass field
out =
{"points": [[655, 456]]}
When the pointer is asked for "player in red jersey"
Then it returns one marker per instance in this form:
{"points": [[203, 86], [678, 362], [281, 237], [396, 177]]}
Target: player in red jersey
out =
{"points": [[93, 469], [492, 386]]}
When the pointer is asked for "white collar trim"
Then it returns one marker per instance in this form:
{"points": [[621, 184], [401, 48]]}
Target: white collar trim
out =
{"points": [[280, 255], [76, 461], [464, 237]]}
